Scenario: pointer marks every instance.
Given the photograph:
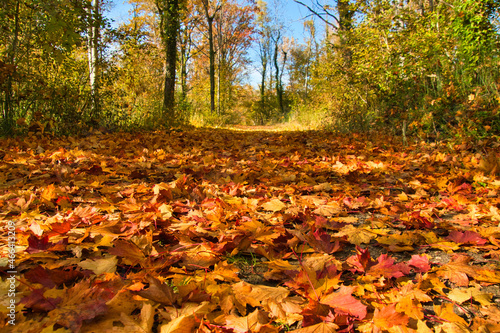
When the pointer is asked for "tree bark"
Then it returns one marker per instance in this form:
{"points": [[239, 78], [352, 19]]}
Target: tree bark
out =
{"points": [[212, 61], [210, 21], [93, 61], [263, 59], [169, 24], [346, 14], [185, 50], [278, 75], [8, 115]]}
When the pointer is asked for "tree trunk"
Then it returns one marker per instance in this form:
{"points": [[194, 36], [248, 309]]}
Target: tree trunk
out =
{"points": [[8, 112], [185, 50], [169, 25], [212, 61], [93, 43], [263, 82], [278, 76], [219, 66], [210, 21], [346, 14]]}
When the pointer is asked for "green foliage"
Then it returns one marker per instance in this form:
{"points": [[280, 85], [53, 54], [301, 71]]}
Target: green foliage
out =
{"points": [[42, 42], [431, 71], [265, 110]]}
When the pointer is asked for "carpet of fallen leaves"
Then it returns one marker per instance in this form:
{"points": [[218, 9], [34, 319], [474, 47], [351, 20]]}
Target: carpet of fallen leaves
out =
{"points": [[228, 231]]}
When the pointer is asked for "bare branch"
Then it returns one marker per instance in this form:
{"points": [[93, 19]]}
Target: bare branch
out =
{"points": [[318, 14]]}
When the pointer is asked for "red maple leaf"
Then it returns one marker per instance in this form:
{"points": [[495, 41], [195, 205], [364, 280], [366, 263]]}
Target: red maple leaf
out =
{"points": [[36, 244], [39, 303], [60, 228], [342, 301], [417, 221], [52, 278], [467, 237], [361, 261], [420, 264], [386, 267]]}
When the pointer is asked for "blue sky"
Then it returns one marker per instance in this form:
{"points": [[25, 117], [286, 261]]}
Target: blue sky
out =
{"points": [[119, 11], [293, 16], [293, 13]]}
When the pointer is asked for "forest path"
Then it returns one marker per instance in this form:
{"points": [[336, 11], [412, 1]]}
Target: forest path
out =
{"points": [[269, 128]]}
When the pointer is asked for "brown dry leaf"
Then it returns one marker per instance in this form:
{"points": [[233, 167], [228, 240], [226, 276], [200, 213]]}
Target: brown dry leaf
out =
{"points": [[200, 256], [82, 302], [251, 323], [158, 292], [458, 271], [490, 164], [328, 210], [286, 311]]}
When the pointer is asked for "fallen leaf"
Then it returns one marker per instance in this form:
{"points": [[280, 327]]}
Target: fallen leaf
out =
{"points": [[181, 324], [318, 328], [158, 292], [99, 266], [251, 323], [387, 317], [343, 301], [273, 205]]}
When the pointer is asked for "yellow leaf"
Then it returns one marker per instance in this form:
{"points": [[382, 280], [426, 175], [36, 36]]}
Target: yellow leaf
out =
{"points": [[318, 328], [355, 235], [274, 205], [422, 327], [452, 328], [445, 311], [387, 317], [461, 295], [411, 307], [254, 295], [49, 193], [99, 266], [147, 317], [166, 211], [402, 197], [182, 324]]}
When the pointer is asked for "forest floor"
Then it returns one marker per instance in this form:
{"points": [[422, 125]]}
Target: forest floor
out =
{"points": [[247, 231]]}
